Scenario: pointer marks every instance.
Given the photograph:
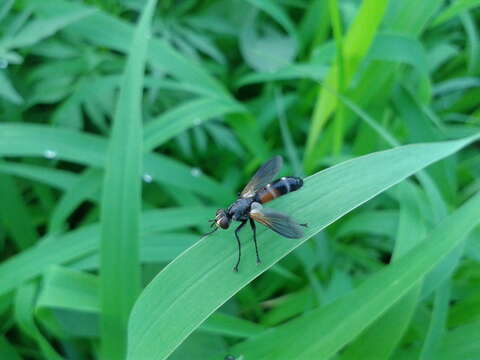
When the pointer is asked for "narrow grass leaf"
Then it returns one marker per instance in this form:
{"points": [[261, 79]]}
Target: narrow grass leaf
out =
{"points": [[438, 322], [187, 282], [401, 48], [319, 334], [160, 53], [376, 222], [77, 293], [7, 91], [15, 215], [454, 9], [43, 27], [382, 336], [56, 178], [77, 244], [312, 71], [121, 200], [183, 117], [356, 44], [461, 343], [63, 144], [86, 186], [25, 299]]}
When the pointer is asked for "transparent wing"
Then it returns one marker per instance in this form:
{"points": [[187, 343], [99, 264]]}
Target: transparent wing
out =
{"points": [[263, 176], [280, 223]]}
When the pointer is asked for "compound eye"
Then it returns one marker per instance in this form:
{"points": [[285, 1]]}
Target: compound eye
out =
{"points": [[223, 222], [221, 219]]}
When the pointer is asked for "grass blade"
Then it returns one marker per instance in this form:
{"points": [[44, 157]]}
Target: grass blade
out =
{"points": [[356, 44], [15, 215], [326, 196], [63, 144], [183, 117], [382, 336], [321, 333], [121, 201], [77, 244]]}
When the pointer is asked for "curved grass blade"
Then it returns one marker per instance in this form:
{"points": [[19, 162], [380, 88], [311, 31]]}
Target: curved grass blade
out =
{"points": [[25, 298], [86, 187], [77, 244], [183, 117], [53, 177], [122, 200], [173, 301], [381, 337], [77, 293], [454, 9], [356, 44], [320, 333], [63, 144]]}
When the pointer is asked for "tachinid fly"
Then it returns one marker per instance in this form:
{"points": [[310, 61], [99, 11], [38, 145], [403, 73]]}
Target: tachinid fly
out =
{"points": [[248, 207]]}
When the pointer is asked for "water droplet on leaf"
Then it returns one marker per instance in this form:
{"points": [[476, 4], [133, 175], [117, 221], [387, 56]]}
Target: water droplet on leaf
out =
{"points": [[196, 172], [147, 178], [50, 154]]}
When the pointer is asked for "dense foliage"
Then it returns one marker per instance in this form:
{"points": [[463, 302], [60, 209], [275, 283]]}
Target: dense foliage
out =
{"points": [[126, 124]]}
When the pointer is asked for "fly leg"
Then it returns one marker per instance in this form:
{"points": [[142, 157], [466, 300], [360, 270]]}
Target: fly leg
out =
{"points": [[254, 229], [239, 245]]}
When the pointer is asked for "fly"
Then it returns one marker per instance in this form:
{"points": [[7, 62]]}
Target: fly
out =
{"points": [[248, 207]]}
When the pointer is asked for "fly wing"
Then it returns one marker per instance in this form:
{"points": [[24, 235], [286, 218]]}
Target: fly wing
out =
{"points": [[263, 176], [280, 223]]}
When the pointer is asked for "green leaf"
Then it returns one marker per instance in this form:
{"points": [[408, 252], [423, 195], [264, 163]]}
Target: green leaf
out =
{"points": [[461, 343], [76, 244], [267, 52], [54, 177], [438, 322], [7, 90], [378, 222], [325, 197], [24, 308], [399, 48], [83, 148], [15, 216], [382, 336], [86, 186], [322, 332], [160, 53], [183, 117], [358, 40], [7, 351], [73, 294], [43, 27], [122, 200], [454, 9], [290, 72]]}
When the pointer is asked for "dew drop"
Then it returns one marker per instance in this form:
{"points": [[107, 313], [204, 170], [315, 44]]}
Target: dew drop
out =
{"points": [[196, 172], [147, 178], [50, 154], [3, 63], [197, 121]]}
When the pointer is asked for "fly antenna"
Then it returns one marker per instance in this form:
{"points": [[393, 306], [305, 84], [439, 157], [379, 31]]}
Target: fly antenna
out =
{"points": [[210, 232]]}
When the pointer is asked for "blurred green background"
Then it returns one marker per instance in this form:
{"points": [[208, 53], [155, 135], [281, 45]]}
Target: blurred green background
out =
{"points": [[125, 124]]}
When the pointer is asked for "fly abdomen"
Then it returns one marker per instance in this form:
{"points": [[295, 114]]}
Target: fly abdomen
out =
{"points": [[278, 188]]}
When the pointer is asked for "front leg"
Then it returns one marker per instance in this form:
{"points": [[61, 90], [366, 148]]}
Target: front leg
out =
{"points": [[254, 229], [239, 244]]}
